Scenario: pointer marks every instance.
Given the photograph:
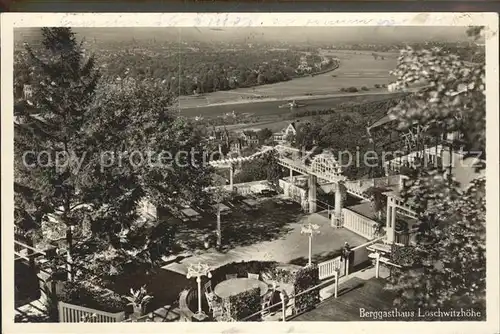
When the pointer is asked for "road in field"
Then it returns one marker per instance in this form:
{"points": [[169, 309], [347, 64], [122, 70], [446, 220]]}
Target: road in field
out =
{"points": [[356, 70]]}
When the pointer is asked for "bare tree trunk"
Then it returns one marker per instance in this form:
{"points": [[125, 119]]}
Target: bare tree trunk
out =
{"points": [[219, 232], [69, 259]]}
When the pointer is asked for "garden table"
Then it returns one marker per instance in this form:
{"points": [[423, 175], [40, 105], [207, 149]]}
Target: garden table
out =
{"points": [[190, 213], [250, 202], [223, 207], [235, 286], [379, 247]]}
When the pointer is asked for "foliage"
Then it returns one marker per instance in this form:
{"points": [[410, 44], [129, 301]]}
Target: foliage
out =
{"points": [[455, 100], [344, 132], [245, 304], [139, 298], [91, 296], [448, 266], [451, 256], [379, 201], [264, 135], [122, 139], [402, 255], [52, 124], [349, 90], [274, 171], [379, 205], [265, 167], [305, 279], [282, 275]]}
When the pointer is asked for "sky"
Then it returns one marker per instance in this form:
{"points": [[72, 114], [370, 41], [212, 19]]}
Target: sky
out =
{"points": [[270, 34]]}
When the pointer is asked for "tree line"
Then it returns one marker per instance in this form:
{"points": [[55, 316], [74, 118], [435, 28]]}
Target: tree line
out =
{"points": [[187, 72]]}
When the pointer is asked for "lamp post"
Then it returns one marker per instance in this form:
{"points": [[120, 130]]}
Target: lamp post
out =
{"points": [[283, 306], [336, 273], [377, 264], [199, 270], [310, 229]]}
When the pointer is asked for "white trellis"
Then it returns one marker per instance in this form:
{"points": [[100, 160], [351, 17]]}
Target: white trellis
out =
{"points": [[326, 165]]}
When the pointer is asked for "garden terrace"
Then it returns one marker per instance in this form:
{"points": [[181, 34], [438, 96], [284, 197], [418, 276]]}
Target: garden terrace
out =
{"points": [[354, 294]]}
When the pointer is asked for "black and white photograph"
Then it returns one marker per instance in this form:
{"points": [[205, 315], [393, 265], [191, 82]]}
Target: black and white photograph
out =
{"points": [[220, 173]]}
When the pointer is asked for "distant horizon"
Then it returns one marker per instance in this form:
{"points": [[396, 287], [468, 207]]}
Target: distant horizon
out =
{"points": [[333, 35]]}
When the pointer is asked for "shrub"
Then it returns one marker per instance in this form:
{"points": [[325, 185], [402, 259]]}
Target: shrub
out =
{"points": [[364, 88], [377, 86], [402, 255], [351, 90], [281, 275], [246, 303], [88, 295], [305, 279]]}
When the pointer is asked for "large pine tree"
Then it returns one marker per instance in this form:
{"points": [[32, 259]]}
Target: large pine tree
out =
{"points": [[69, 112], [50, 124]]}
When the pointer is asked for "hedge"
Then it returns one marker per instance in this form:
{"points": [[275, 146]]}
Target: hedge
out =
{"points": [[88, 295], [245, 304], [305, 279]]}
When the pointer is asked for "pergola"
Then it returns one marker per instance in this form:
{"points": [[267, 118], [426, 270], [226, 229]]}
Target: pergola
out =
{"points": [[25, 251]]}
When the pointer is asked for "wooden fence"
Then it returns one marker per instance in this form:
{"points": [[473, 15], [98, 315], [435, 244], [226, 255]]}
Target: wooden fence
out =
{"points": [[327, 268], [74, 313]]}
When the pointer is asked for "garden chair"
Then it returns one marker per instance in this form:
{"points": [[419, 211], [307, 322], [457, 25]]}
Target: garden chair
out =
{"points": [[210, 300], [253, 276], [217, 310], [231, 276], [208, 287], [265, 304]]}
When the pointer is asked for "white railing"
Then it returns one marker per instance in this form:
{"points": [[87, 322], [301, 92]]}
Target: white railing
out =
{"points": [[240, 189], [75, 313], [359, 256], [327, 268], [359, 224], [432, 155], [387, 181], [360, 253], [293, 164]]}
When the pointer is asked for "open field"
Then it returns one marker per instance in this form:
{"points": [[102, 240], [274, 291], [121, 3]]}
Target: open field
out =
{"points": [[356, 69], [270, 109]]}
